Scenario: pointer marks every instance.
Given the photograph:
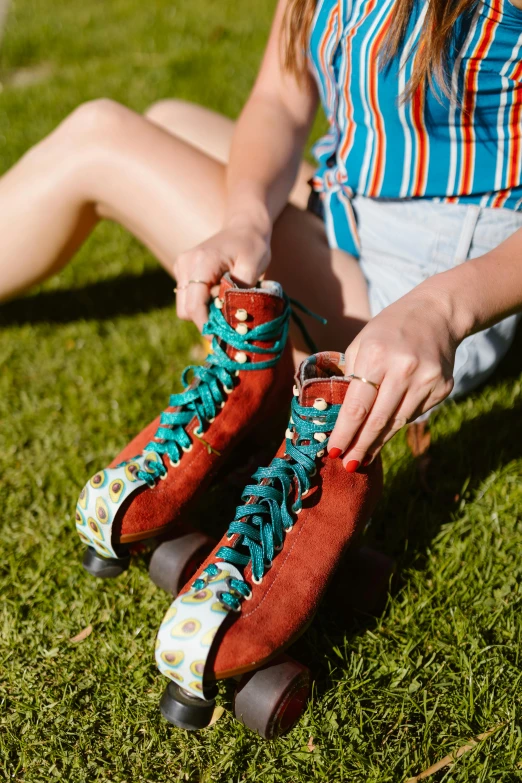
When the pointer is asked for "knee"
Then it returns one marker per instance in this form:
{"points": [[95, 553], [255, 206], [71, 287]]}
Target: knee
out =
{"points": [[167, 113], [94, 118]]}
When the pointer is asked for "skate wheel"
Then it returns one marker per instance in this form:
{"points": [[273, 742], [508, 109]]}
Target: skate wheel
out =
{"points": [[271, 700], [364, 580], [184, 710], [174, 562], [104, 567]]}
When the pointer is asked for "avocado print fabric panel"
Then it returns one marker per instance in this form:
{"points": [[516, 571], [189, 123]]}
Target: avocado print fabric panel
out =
{"points": [[188, 629], [102, 497]]}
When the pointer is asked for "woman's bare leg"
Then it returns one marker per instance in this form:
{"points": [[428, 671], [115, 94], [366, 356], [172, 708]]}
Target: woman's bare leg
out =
{"points": [[107, 161], [211, 133]]}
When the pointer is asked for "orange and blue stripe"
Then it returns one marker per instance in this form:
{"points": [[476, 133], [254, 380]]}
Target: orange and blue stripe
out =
{"points": [[464, 149]]}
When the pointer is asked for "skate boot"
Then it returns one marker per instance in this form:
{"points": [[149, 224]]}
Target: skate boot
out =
{"points": [[144, 496], [260, 587]]}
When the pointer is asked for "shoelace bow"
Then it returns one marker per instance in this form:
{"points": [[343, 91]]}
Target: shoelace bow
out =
{"points": [[216, 381], [262, 522]]}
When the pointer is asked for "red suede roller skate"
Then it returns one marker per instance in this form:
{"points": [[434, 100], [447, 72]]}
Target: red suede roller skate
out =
{"points": [[259, 589], [144, 495]]}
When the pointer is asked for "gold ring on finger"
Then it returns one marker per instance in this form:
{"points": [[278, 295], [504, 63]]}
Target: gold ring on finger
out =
{"points": [[354, 377], [183, 287]]}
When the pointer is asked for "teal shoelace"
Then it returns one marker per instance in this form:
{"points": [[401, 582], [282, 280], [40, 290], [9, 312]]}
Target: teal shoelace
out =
{"points": [[262, 522], [216, 381]]}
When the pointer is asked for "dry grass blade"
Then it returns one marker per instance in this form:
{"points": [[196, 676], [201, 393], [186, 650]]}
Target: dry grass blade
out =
{"points": [[80, 637], [448, 760], [216, 715], [418, 437]]}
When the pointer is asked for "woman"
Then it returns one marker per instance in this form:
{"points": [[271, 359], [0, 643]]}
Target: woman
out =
{"points": [[420, 170]]}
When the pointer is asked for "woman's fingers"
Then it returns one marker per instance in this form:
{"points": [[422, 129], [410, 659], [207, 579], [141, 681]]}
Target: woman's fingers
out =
{"points": [[192, 305], [357, 404], [407, 411], [382, 415], [197, 296], [196, 273], [245, 272], [414, 403], [242, 251]]}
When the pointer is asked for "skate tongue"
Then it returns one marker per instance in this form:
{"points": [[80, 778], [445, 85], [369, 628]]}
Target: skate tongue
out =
{"points": [[228, 283], [322, 377]]}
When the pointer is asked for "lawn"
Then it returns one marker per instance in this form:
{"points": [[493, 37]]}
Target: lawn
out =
{"points": [[91, 356]]}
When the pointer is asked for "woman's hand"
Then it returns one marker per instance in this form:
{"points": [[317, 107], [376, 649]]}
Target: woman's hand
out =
{"points": [[409, 351], [242, 249]]}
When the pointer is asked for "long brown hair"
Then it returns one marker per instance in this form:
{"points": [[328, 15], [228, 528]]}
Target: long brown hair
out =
{"points": [[431, 60]]}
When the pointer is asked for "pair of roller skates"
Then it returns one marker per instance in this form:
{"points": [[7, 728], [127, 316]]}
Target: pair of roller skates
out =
{"points": [[243, 601]]}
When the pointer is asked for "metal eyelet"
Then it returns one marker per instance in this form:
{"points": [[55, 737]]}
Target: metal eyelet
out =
{"points": [[198, 432], [257, 581], [297, 510], [174, 464], [278, 548], [222, 404], [210, 421], [314, 473], [236, 373], [210, 578], [227, 390], [162, 478], [229, 608], [187, 449], [231, 590]]}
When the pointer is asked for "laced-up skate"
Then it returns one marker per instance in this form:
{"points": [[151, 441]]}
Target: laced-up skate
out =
{"points": [[146, 492], [259, 589]]}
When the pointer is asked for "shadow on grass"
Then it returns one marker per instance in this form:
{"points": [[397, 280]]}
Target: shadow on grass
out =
{"points": [[481, 446], [123, 295]]}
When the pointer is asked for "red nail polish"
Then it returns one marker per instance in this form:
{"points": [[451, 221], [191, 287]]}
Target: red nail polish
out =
{"points": [[352, 466], [334, 453], [366, 461]]}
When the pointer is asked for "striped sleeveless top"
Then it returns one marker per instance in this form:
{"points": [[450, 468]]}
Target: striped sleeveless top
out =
{"points": [[468, 149]]}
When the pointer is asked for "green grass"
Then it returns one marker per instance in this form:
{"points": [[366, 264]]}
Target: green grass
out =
{"points": [[91, 356]]}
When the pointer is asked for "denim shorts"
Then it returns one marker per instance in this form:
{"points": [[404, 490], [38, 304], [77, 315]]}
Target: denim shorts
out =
{"points": [[403, 242]]}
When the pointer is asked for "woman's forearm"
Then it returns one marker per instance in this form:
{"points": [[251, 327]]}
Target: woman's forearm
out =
{"points": [[482, 291], [265, 156], [269, 139]]}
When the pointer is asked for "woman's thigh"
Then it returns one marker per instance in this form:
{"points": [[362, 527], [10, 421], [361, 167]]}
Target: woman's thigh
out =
{"points": [[170, 194], [211, 133]]}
